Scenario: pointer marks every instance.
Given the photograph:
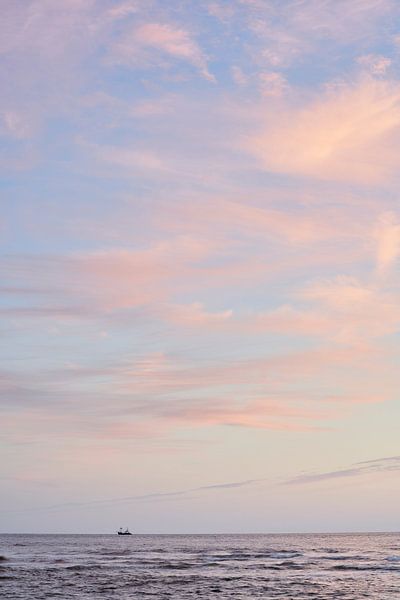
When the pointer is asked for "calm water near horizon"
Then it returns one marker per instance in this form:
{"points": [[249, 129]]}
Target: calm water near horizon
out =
{"points": [[319, 566]]}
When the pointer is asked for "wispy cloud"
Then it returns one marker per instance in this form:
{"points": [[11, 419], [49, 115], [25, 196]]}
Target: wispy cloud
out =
{"points": [[380, 465], [348, 133], [286, 33], [151, 43], [156, 496], [370, 467], [375, 63]]}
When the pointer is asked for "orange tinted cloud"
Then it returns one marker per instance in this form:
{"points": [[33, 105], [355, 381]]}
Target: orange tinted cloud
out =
{"points": [[388, 241], [356, 311], [347, 133]]}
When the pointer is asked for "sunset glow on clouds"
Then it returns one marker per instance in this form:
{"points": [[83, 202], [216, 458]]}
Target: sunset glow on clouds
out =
{"points": [[200, 244]]}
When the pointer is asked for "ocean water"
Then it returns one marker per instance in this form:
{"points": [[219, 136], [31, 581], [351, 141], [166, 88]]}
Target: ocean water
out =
{"points": [[347, 567]]}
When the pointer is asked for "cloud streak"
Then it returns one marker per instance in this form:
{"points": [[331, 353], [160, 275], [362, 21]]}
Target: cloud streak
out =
{"points": [[376, 466], [186, 494], [370, 467]]}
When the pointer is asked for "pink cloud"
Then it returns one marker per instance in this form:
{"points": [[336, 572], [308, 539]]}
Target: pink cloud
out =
{"points": [[123, 10], [388, 241], [135, 277], [274, 372], [348, 133], [273, 84], [194, 315], [117, 278], [356, 312], [133, 159], [142, 44], [375, 63], [284, 320], [154, 395], [285, 32], [299, 225], [238, 76], [15, 124], [254, 393], [337, 19]]}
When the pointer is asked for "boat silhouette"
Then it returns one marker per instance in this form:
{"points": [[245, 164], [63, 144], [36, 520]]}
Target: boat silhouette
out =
{"points": [[123, 532]]}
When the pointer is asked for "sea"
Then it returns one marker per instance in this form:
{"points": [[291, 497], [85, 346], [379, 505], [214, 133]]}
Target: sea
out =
{"points": [[93, 567]]}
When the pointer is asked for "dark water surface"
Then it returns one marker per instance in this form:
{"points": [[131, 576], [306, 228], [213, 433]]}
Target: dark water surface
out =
{"points": [[347, 566]]}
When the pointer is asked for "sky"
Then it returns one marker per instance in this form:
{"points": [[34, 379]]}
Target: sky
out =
{"points": [[199, 265]]}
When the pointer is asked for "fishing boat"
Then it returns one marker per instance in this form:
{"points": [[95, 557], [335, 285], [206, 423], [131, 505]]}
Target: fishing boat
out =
{"points": [[123, 532]]}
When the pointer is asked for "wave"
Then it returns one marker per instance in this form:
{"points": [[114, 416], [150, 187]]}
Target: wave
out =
{"points": [[344, 557], [284, 554], [363, 568], [178, 566], [289, 564], [83, 567]]}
